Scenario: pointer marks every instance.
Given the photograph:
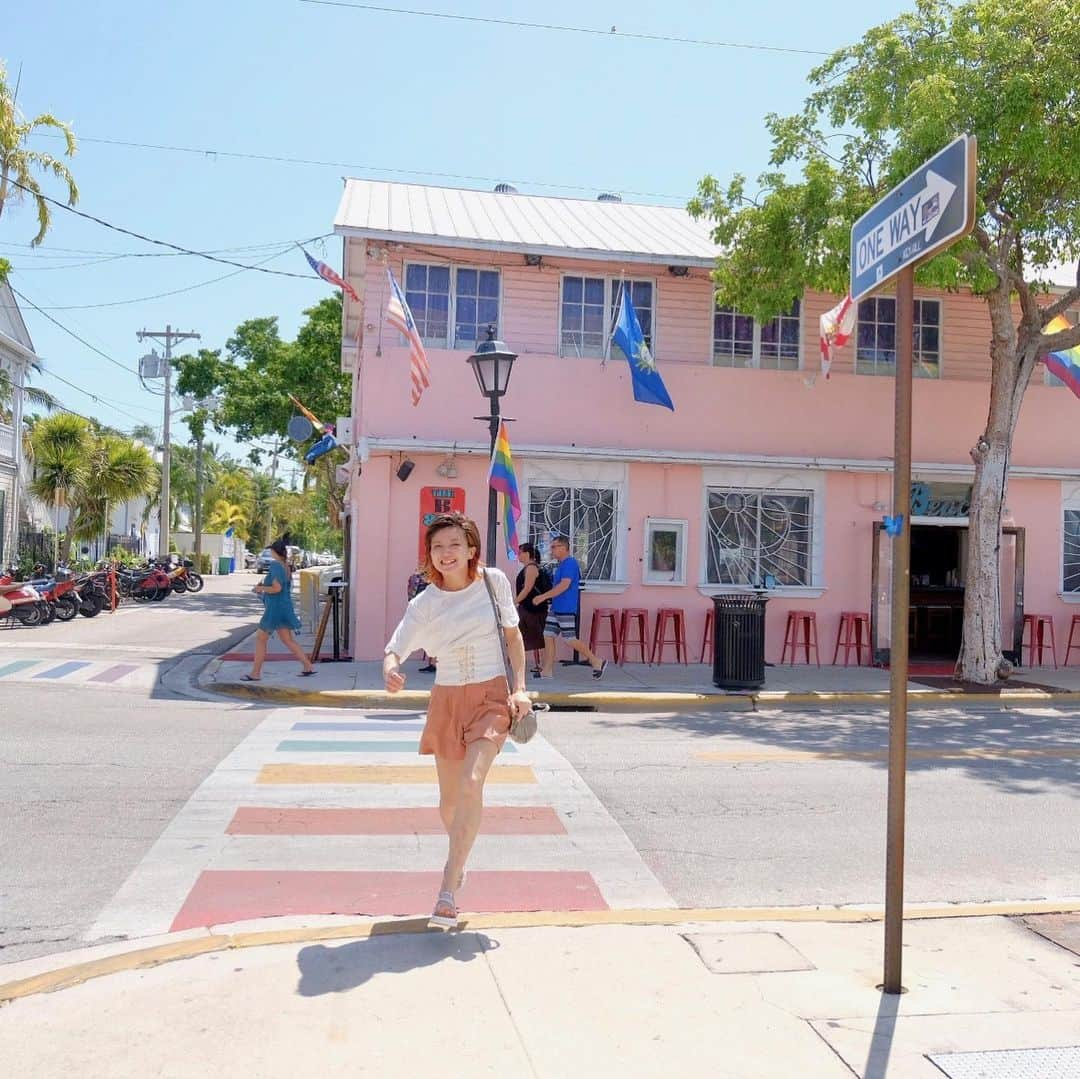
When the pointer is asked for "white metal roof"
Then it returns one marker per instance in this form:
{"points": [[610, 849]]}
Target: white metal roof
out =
{"points": [[537, 224]]}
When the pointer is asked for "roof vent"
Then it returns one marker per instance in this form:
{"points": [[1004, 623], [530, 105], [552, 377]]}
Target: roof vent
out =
{"points": [[505, 189], [608, 196]]}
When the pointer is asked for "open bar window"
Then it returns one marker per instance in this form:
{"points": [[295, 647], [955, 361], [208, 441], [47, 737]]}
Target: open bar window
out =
{"points": [[452, 305], [583, 328], [875, 352], [755, 534], [587, 516], [739, 340]]}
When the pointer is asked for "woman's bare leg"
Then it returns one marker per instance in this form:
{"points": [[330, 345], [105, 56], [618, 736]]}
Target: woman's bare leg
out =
{"points": [[479, 756], [293, 645], [449, 788], [261, 639]]}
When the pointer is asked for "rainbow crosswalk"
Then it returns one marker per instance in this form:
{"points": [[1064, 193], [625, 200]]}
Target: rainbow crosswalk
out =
{"points": [[83, 672], [332, 812]]}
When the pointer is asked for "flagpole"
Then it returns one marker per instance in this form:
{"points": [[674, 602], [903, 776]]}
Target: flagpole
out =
{"points": [[614, 322]]}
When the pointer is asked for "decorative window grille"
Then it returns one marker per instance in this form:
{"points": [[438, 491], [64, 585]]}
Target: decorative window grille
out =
{"points": [[741, 341], [875, 352], [757, 533], [586, 516], [1071, 552]]}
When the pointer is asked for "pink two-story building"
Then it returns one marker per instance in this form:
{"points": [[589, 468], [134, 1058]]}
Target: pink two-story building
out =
{"points": [[765, 475]]}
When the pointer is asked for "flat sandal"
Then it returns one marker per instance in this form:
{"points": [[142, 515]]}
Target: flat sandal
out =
{"points": [[444, 921]]}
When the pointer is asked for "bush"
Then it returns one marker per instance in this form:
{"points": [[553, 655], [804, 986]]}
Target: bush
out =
{"points": [[205, 565]]}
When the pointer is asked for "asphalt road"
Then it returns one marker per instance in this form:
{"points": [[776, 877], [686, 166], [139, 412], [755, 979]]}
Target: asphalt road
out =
{"points": [[736, 809]]}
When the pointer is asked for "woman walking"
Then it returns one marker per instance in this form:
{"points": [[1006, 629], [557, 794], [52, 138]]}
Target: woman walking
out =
{"points": [[532, 579], [278, 614], [471, 705]]}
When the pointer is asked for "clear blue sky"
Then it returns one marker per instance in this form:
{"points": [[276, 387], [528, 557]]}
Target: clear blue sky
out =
{"points": [[376, 95]]}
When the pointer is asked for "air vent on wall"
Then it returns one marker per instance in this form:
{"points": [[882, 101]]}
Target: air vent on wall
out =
{"points": [[608, 196], [505, 189]]}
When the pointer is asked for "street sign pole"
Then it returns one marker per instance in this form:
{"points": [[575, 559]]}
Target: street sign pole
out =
{"points": [[898, 646]]}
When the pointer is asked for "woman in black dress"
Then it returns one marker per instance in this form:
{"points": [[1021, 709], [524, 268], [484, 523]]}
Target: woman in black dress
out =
{"points": [[532, 579]]}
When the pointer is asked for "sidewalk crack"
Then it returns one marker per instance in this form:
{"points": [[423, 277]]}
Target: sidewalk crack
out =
{"points": [[510, 1014]]}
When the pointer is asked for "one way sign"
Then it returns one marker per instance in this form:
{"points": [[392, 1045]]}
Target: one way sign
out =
{"points": [[933, 207]]}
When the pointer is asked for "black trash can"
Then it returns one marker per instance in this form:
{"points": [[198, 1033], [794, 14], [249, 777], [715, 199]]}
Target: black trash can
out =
{"points": [[739, 641]]}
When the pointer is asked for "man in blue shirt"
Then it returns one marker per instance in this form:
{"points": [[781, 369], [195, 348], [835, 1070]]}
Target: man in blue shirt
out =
{"points": [[565, 598]]}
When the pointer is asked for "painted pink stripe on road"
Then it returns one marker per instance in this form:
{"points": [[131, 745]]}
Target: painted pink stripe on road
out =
{"points": [[221, 896], [418, 820], [113, 674]]}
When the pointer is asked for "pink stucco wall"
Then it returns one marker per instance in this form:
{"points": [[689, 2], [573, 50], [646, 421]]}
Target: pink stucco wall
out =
{"points": [[761, 416]]}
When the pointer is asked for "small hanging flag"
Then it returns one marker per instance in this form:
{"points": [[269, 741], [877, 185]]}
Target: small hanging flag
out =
{"points": [[502, 478], [649, 387], [331, 276], [837, 325]]}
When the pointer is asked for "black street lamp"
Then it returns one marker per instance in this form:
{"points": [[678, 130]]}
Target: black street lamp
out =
{"points": [[491, 363]]}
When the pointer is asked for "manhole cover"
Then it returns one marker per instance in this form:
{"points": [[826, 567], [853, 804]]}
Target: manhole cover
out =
{"points": [[1062, 1063], [746, 953]]}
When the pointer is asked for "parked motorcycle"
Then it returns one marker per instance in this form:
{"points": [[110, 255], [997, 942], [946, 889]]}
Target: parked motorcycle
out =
{"points": [[20, 602], [150, 583], [95, 593], [182, 574], [60, 592]]}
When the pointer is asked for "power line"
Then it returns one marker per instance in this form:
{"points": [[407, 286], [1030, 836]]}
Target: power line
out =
{"points": [[353, 167], [612, 33], [72, 333], [69, 252], [151, 240], [93, 397]]}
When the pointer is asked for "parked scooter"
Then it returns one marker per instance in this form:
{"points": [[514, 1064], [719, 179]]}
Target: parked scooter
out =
{"points": [[142, 585], [20, 602], [181, 573], [95, 593], [59, 592]]}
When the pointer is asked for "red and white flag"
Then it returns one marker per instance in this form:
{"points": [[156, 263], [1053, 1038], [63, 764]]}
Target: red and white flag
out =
{"points": [[400, 317], [837, 326]]}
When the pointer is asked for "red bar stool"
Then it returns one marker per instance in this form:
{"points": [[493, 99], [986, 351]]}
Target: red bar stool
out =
{"points": [[807, 622], [707, 636], [849, 635], [674, 619], [1072, 629], [599, 616], [634, 618], [1035, 626]]}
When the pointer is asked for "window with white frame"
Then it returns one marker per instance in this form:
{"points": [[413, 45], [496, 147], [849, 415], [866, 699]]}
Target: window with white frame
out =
{"points": [[875, 351], [758, 533], [589, 308], [1070, 554], [665, 551], [452, 305], [1048, 376], [587, 516], [741, 341]]}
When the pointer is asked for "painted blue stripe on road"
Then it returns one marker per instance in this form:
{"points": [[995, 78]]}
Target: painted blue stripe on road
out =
{"points": [[18, 665], [62, 670], [369, 727]]}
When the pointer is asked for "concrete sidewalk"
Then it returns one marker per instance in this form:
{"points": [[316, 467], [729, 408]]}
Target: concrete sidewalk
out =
{"points": [[634, 686], [696, 993]]}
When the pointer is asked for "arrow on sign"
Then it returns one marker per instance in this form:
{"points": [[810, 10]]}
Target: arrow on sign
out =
{"points": [[920, 214]]}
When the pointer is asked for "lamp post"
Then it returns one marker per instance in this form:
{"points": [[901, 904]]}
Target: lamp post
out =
{"points": [[491, 363]]}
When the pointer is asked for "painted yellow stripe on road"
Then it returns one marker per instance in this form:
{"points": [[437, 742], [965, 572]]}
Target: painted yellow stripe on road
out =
{"points": [[800, 755], [380, 773]]}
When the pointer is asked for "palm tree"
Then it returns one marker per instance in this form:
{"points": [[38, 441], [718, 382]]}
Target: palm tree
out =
{"points": [[226, 515], [119, 471], [61, 446], [34, 395], [18, 163]]}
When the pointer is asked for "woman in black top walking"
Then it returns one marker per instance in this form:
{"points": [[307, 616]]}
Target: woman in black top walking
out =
{"points": [[532, 579]]}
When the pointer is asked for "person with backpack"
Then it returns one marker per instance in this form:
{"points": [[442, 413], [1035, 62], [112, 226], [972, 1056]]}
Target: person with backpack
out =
{"points": [[532, 579]]}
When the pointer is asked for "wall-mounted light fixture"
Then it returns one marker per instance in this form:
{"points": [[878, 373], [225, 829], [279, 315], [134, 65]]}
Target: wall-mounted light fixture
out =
{"points": [[679, 271], [448, 469], [404, 470], [533, 260]]}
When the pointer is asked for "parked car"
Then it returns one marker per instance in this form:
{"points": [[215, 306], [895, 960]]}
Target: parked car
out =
{"points": [[262, 563]]}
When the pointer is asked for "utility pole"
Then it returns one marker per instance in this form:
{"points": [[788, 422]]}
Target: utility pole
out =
{"points": [[166, 337]]}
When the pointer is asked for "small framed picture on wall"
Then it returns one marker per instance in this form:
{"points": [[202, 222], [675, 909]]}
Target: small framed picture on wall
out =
{"points": [[665, 551]]}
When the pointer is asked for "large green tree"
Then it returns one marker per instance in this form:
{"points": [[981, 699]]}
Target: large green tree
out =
{"points": [[1002, 70], [19, 164]]}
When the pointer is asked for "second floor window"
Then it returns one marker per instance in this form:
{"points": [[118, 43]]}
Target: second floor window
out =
{"points": [[452, 305], [590, 307], [741, 341], [875, 352]]}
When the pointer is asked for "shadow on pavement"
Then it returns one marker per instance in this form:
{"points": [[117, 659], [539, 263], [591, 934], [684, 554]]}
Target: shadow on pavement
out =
{"points": [[338, 969], [1038, 752]]}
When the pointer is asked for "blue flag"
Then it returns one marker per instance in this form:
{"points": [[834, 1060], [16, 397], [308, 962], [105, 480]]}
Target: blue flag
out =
{"points": [[649, 387]]}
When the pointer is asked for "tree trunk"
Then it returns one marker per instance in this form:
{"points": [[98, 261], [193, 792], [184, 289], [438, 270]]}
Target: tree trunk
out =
{"points": [[1013, 359]]}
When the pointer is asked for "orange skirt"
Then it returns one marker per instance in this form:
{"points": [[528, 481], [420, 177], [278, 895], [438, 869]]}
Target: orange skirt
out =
{"points": [[458, 715]]}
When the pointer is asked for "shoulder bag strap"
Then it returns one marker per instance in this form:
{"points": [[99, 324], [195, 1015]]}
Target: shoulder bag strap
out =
{"points": [[499, 631]]}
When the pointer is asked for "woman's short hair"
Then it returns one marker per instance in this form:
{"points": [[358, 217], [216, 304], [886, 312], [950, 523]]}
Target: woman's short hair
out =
{"points": [[280, 546], [530, 550], [472, 538]]}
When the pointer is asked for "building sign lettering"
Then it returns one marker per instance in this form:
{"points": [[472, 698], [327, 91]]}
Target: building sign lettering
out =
{"points": [[940, 499]]}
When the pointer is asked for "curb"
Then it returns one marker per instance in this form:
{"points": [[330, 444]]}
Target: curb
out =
{"points": [[189, 947], [639, 700]]}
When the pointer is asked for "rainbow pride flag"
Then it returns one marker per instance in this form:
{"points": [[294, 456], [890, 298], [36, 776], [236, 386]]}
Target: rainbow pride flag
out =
{"points": [[502, 478], [1066, 364]]}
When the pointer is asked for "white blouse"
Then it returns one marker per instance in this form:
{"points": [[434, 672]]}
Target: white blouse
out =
{"points": [[458, 629]]}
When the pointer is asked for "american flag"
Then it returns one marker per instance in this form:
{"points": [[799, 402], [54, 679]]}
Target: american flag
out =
{"points": [[331, 276], [400, 317]]}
